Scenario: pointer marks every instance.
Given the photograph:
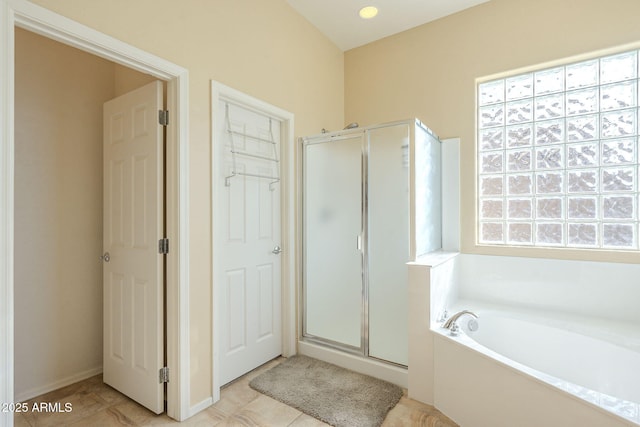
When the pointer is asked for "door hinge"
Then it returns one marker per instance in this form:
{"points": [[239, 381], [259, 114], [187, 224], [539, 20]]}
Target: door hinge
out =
{"points": [[164, 375], [163, 246], [163, 117]]}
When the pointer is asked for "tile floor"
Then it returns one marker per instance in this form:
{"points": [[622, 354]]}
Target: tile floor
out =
{"points": [[96, 404]]}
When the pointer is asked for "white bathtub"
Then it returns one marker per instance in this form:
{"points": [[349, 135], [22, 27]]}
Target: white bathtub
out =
{"points": [[600, 373]]}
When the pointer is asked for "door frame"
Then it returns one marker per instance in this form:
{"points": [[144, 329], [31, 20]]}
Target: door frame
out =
{"points": [[220, 92], [34, 18]]}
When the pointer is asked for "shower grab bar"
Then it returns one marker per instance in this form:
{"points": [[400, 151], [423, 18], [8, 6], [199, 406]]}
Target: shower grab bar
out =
{"points": [[256, 156], [275, 179], [246, 135]]}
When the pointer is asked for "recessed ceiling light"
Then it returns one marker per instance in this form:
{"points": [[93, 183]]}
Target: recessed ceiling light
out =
{"points": [[368, 12]]}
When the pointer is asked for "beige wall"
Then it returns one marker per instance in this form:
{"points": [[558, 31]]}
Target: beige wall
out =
{"points": [[58, 232], [125, 80], [429, 72], [261, 47]]}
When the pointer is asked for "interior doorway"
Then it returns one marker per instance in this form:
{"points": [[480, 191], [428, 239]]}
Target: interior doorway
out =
{"points": [[18, 13], [62, 214]]}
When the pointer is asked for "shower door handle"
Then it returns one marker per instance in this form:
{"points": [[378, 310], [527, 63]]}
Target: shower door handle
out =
{"points": [[359, 242]]}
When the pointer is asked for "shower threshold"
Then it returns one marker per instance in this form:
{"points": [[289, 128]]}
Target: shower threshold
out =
{"points": [[356, 362]]}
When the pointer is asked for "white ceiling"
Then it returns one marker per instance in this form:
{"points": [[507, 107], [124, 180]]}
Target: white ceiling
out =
{"points": [[339, 20]]}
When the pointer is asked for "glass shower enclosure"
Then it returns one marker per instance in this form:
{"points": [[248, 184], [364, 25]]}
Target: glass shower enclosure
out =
{"points": [[370, 203]]}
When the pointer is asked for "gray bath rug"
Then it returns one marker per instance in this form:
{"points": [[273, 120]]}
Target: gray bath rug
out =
{"points": [[335, 395]]}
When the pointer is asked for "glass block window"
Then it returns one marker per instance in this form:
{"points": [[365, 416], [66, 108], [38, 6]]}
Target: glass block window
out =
{"points": [[558, 156]]}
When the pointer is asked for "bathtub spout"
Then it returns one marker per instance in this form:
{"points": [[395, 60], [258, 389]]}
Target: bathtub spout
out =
{"points": [[451, 322]]}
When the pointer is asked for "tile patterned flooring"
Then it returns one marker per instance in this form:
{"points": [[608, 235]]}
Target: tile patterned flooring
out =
{"points": [[96, 404]]}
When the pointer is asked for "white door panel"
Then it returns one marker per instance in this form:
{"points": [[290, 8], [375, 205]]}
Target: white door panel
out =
{"points": [[247, 271], [133, 223]]}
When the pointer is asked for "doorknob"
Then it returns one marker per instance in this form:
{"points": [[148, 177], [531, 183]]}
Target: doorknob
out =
{"points": [[106, 257], [277, 250]]}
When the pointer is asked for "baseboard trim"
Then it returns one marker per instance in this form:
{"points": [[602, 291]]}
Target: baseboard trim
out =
{"points": [[37, 391], [200, 406]]}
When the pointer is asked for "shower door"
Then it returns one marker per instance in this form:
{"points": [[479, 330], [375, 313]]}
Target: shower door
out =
{"points": [[356, 241], [333, 236], [360, 215]]}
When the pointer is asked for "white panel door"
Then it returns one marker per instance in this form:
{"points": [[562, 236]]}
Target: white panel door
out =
{"points": [[247, 260], [133, 224]]}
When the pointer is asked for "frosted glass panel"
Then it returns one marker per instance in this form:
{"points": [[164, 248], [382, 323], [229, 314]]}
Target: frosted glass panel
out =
{"points": [[332, 222], [428, 192], [388, 242]]}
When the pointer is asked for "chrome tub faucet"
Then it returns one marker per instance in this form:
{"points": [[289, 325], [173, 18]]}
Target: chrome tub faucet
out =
{"points": [[451, 324]]}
